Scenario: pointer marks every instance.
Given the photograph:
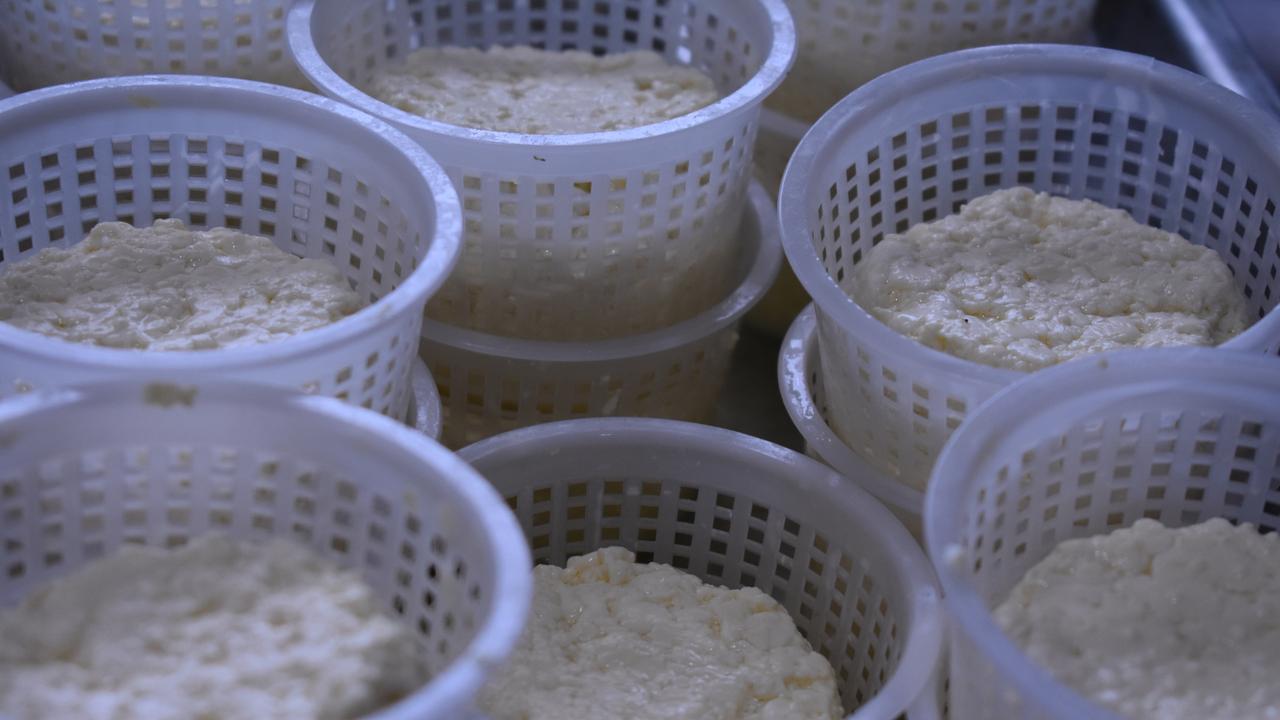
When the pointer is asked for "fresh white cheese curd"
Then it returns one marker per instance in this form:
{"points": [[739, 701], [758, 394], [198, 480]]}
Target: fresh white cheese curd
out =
{"points": [[608, 637], [1022, 281], [1158, 623], [526, 90], [214, 630], [170, 288]]}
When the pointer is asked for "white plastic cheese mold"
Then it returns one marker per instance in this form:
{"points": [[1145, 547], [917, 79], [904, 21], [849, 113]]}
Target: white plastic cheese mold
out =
{"points": [[800, 381], [736, 511], [319, 179], [490, 384], [86, 469], [841, 44], [1177, 435], [587, 236], [49, 42], [1170, 147]]}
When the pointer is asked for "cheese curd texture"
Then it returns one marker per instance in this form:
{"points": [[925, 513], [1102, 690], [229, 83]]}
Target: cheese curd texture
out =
{"points": [[1022, 281], [214, 630], [609, 637], [169, 288], [1158, 623], [526, 90]]}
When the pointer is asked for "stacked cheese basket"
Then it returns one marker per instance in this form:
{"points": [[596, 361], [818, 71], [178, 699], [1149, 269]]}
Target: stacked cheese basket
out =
{"points": [[364, 364], [587, 245]]}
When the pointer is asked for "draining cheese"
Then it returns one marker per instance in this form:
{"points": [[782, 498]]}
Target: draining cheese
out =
{"points": [[637, 641], [217, 630], [169, 288], [525, 90], [1158, 623], [1022, 281]]}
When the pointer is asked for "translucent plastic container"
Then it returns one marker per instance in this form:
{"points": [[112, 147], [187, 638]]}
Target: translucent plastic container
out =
{"points": [[491, 384], [85, 470], [775, 142], [735, 510], [319, 179], [588, 236], [1179, 435], [1171, 148], [842, 44], [49, 42], [800, 380], [424, 404]]}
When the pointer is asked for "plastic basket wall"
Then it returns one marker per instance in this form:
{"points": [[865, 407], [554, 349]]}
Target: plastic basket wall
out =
{"points": [[49, 42], [317, 178], [842, 44], [734, 510], [86, 470], [800, 381], [1180, 436], [576, 237], [490, 384], [776, 140], [1169, 147]]}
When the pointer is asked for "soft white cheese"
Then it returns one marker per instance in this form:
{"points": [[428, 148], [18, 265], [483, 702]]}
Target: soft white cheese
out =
{"points": [[169, 288], [214, 630], [609, 637], [525, 90], [1022, 281], [1158, 623]]}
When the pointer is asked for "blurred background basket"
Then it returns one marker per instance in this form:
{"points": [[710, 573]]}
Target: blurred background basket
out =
{"points": [[317, 178], [1179, 435], [50, 42], [491, 384], [85, 470], [735, 510], [576, 237], [842, 44], [1174, 150]]}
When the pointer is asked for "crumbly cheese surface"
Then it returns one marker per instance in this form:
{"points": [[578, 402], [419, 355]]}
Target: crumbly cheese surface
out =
{"points": [[215, 630], [607, 636], [1023, 281], [526, 90], [1158, 623], [169, 288]]}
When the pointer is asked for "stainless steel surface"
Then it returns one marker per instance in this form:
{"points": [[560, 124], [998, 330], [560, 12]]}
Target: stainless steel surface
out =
{"points": [[1199, 35]]}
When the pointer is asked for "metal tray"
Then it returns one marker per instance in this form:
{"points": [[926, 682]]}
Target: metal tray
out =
{"points": [[1194, 34]]}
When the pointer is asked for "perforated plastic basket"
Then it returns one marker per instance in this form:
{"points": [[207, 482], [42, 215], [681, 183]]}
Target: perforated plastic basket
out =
{"points": [[491, 384], [319, 179], [1181, 436], [734, 510], [1170, 147], [49, 42], [800, 380], [777, 139], [576, 237], [84, 470], [842, 44]]}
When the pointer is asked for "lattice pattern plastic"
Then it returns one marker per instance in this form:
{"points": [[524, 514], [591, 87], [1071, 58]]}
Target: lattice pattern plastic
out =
{"points": [[49, 42], [319, 179], [1169, 147], [800, 380], [735, 511], [1179, 436], [86, 470], [576, 237], [490, 384], [842, 44]]}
